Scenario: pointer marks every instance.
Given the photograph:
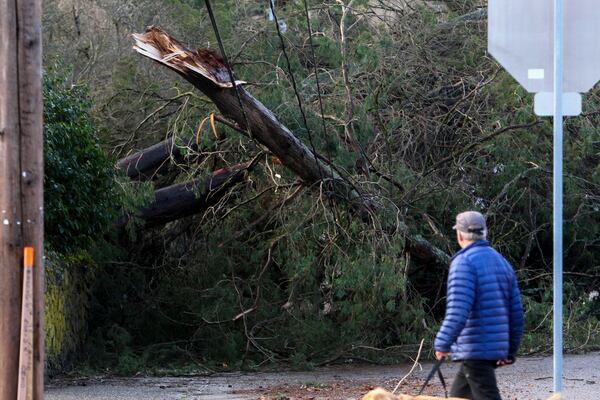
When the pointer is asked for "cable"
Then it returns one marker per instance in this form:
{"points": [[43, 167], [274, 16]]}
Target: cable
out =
{"points": [[314, 57], [291, 74], [321, 109], [226, 60]]}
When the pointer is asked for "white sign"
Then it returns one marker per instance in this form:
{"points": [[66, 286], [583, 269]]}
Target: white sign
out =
{"points": [[521, 38], [544, 104]]}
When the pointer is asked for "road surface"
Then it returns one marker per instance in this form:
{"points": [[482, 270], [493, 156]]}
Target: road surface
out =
{"points": [[528, 379]]}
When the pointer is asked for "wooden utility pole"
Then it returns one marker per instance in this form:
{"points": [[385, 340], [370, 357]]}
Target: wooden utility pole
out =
{"points": [[21, 185]]}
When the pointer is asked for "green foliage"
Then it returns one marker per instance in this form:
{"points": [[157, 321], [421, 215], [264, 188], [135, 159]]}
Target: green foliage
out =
{"points": [[83, 198], [580, 316], [234, 308], [268, 276], [80, 198], [113, 347]]}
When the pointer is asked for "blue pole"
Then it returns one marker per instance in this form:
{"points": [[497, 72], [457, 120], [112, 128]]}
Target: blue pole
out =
{"points": [[558, 193]]}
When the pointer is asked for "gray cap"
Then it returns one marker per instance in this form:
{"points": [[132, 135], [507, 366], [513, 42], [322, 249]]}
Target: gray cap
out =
{"points": [[470, 222]]}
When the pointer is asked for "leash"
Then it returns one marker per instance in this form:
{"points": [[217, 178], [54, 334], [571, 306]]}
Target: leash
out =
{"points": [[436, 368]]}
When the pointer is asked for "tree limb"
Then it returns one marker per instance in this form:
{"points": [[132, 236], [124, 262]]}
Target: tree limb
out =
{"points": [[189, 198], [207, 72]]}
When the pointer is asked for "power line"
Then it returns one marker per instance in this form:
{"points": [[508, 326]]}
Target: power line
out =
{"points": [[293, 79], [314, 57], [226, 60]]}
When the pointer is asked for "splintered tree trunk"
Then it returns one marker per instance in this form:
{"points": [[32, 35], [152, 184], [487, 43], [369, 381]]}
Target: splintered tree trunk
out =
{"points": [[207, 72], [184, 199]]}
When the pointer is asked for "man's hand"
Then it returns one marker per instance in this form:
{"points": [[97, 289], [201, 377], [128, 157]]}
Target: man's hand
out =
{"points": [[507, 361], [440, 355]]}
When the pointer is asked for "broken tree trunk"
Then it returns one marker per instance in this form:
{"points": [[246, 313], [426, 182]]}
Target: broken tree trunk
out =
{"points": [[145, 164], [185, 199], [208, 73]]}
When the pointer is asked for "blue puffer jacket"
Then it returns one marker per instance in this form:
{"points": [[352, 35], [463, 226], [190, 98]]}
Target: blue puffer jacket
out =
{"points": [[484, 316]]}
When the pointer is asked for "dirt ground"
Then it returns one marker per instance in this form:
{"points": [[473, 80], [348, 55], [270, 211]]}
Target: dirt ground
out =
{"points": [[528, 379]]}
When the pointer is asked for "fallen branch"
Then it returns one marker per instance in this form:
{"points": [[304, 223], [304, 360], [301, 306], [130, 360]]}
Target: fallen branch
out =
{"points": [[147, 163], [412, 369], [184, 199]]}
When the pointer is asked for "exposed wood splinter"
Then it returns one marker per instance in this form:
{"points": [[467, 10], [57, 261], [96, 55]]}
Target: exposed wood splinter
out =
{"points": [[158, 45]]}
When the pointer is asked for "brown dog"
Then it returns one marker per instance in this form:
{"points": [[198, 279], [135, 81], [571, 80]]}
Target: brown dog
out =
{"points": [[382, 394]]}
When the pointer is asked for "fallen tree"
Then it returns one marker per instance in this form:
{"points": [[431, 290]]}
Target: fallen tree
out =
{"points": [[147, 163], [208, 73], [189, 198]]}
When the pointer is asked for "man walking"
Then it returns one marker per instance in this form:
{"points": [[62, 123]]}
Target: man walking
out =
{"points": [[483, 325]]}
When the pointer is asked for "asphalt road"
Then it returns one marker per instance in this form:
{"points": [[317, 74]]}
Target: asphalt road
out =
{"points": [[528, 379]]}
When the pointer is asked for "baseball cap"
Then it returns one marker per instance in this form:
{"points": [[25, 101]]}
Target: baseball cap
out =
{"points": [[470, 222]]}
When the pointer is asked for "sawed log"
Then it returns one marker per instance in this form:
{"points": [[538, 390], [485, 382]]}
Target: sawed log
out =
{"points": [[147, 163], [189, 198], [144, 164]]}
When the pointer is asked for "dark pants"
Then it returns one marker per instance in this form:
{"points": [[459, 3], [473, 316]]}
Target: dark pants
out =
{"points": [[476, 380]]}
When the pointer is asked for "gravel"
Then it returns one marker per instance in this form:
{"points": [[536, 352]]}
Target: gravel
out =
{"points": [[528, 379]]}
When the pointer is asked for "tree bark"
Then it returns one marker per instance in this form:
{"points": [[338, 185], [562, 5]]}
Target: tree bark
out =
{"points": [[185, 199], [145, 164], [207, 72]]}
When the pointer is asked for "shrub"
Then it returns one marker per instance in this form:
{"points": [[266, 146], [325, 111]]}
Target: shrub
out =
{"points": [[79, 177]]}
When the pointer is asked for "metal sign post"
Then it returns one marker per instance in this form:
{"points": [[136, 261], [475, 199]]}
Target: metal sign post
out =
{"points": [[551, 48], [558, 192]]}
